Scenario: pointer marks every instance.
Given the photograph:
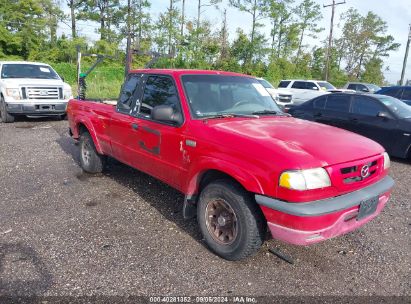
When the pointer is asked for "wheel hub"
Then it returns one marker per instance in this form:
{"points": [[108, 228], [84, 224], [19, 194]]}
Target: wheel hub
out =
{"points": [[221, 221]]}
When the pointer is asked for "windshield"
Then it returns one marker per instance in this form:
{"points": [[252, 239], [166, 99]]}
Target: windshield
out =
{"points": [[326, 85], [265, 84], [212, 95], [373, 87], [398, 107], [28, 71]]}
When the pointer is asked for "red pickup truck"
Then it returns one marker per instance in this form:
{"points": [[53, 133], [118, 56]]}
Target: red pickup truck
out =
{"points": [[243, 165]]}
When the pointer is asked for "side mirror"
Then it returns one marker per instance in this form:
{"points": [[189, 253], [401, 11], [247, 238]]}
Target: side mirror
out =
{"points": [[365, 90], [384, 114], [62, 78], [167, 113]]}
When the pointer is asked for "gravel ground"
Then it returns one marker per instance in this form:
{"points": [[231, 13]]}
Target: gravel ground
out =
{"points": [[66, 233]]}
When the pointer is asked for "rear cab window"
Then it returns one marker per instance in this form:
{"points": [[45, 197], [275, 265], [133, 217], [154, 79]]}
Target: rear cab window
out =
{"points": [[128, 93], [406, 94]]}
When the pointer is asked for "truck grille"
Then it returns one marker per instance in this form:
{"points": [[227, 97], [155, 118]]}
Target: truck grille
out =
{"points": [[42, 93], [357, 173], [284, 98]]}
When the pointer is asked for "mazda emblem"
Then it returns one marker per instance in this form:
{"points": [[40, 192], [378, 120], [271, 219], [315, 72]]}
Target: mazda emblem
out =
{"points": [[365, 171]]}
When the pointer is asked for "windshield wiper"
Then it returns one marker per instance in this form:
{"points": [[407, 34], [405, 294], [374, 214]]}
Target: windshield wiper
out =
{"points": [[229, 115], [270, 112]]}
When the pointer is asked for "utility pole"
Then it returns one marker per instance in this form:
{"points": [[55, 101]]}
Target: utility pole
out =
{"points": [[182, 19], [330, 39], [128, 51], [404, 65]]}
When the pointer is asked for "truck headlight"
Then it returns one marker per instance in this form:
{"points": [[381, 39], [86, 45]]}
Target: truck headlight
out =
{"points": [[305, 179], [15, 93], [387, 162], [67, 94]]}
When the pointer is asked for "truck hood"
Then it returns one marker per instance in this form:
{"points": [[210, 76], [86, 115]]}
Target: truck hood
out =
{"points": [[17, 82], [299, 143]]}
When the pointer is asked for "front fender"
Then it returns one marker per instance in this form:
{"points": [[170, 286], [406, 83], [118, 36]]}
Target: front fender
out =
{"points": [[246, 179]]}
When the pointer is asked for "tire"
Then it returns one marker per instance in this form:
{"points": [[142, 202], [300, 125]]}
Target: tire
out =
{"points": [[62, 117], [90, 160], [4, 115], [225, 205]]}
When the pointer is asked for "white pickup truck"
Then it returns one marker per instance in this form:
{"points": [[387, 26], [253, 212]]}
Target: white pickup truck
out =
{"points": [[303, 90], [32, 89]]}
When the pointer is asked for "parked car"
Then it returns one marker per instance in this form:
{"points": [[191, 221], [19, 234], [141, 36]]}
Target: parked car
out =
{"points": [[242, 164], [31, 88], [303, 90], [401, 92], [362, 87], [282, 98], [382, 118]]}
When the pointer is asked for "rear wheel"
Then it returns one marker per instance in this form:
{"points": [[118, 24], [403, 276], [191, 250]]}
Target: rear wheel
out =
{"points": [[90, 160], [231, 222], [4, 115]]}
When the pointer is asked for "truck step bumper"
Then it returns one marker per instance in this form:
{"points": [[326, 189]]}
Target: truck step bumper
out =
{"points": [[345, 223]]}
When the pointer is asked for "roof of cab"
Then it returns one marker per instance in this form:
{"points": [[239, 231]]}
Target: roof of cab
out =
{"points": [[178, 72]]}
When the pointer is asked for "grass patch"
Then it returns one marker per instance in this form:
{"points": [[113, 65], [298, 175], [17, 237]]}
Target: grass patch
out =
{"points": [[104, 82]]}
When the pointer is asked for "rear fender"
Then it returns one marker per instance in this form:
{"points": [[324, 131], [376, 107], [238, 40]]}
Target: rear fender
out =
{"points": [[82, 121]]}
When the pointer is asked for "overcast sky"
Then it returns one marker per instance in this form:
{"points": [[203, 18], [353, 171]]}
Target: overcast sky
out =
{"points": [[397, 14]]}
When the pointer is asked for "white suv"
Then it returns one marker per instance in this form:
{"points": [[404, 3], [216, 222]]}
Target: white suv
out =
{"points": [[304, 90], [31, 88]]}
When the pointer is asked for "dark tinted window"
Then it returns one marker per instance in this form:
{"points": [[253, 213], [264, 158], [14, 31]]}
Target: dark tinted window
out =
{"points": [[352, 86], [127, 92], [366, 106], [393, 92], [338, 103], [311, 86], [298, 85], [284, 84], [319, 103], [159, 90], [406, 94]]}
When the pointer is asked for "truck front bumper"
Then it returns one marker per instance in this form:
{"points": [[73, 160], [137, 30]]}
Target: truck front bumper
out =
{"points": [[37, 107], [293, 222]]}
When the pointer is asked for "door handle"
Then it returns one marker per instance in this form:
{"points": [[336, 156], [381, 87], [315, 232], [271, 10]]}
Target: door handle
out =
{"points": [[354, 120], [317, 115], [134, 126]]}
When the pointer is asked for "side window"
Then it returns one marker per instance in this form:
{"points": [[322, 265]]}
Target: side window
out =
{"points": [[338, 103], [319, 103], [159, 90], [363, 105], [298, 85], [406, 95], [352, 86], [311, 86], [393, 92], [362, 88], [284, 84], [127, 91]]}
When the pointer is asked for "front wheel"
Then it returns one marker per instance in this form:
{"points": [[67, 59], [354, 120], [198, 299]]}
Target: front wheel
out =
{"points": [[232, 224], [4, 115], [90, 160]]}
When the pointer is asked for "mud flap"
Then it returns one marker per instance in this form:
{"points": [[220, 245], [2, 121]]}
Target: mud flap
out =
{"points": [[190, 207]]}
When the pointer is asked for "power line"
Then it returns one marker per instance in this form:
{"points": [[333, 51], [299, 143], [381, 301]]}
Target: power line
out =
{"points": [[327, 65]]}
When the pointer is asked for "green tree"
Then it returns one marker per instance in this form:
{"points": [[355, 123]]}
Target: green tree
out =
{"points": [[309, 14], [258, 11]]}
